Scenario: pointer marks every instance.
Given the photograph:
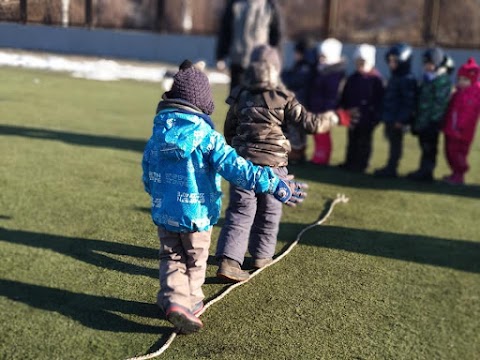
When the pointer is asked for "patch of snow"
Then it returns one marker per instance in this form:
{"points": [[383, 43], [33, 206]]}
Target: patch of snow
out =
{"points": [[97, 69]]}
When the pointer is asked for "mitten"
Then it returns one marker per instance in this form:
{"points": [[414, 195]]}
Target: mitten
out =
{"points": [[348, 117], [290, 192]]}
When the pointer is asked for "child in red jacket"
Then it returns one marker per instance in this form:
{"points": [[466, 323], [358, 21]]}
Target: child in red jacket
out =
{"points": [[461, 121]]}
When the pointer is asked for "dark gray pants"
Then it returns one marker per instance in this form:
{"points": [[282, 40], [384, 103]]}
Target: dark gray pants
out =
{"points": [[395, 138], [251, 222]]}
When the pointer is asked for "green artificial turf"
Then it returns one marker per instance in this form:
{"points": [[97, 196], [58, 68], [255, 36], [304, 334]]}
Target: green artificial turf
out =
{"points": [[394, 274]]}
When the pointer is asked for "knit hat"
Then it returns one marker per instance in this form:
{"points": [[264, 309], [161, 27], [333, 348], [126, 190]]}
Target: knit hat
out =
{"points": [[332, 50], [470, 70], [434, 55], [367, 53], [192, 85], [268, 54]]}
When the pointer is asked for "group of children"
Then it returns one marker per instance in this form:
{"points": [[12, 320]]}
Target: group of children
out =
{"points": [[427, 107], [266, 125]]}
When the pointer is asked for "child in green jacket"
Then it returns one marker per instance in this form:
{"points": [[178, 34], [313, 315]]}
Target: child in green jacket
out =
{"points": [[433, 97]]}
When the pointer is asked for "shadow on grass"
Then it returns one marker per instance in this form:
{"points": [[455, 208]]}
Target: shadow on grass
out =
{"points": [[449, 253], [86, 250], [96, 312], [74, 138], [336, 176]]}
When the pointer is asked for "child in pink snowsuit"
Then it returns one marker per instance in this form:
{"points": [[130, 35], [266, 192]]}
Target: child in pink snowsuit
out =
{"points": [[461, 120]]}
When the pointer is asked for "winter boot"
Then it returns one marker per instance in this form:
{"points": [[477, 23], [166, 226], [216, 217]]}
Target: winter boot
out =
{"points": [[454, 179], [183, 320], [260, 263], [420, 175], [230, 269], [385, 172]]}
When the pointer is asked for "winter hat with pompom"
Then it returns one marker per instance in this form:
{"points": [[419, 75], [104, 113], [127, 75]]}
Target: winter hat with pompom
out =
{"points": [[470, 70], [192, 85]]}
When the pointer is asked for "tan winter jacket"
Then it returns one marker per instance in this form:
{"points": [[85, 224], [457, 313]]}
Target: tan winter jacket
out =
{"points": [[260, 110]]}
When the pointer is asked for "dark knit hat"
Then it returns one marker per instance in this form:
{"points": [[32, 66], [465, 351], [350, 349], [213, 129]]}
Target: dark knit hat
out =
{"points": [[192, 85], [268, 54]]}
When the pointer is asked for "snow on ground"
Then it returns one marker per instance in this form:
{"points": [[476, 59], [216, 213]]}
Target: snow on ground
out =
{"points": [[97, 69]]}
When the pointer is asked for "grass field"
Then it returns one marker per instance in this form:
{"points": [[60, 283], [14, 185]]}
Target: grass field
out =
{"points": [[395, 274]]}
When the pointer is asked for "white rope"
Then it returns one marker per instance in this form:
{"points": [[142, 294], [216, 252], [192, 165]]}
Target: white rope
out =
{"points": [[341, 198]]}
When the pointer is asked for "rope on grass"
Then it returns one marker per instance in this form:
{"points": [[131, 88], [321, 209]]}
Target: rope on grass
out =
{"points": [[341, 198]]}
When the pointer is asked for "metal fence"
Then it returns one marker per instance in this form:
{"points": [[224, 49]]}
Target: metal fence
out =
{"points": [[419, 22]]}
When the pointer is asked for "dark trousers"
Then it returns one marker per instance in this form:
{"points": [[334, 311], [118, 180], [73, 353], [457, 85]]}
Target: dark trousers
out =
{"points": [[251, 222], [428, 140], [359, 148], [395, 138], [236, 74]]}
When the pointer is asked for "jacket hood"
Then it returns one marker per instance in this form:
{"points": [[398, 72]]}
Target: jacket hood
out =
{"points": [[179, 129], [261, 75]]}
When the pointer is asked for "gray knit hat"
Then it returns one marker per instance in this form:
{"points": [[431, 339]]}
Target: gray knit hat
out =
{"points": [[192, 85]]}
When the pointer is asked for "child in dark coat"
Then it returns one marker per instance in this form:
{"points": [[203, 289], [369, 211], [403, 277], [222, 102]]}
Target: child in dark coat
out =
{"points": [[324, 92], [461, 121], [364, 91], [295, 79], [398, 104], [433, 97], [259, 113]]}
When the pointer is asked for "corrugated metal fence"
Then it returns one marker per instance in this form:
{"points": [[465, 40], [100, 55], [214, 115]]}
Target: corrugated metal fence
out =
{"points": [[419, 22]]}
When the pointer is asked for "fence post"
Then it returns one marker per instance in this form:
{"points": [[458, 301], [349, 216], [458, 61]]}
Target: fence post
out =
{"points": [[88, 13], [430, 25], [23, 11], [331, 18], [161, 14]]}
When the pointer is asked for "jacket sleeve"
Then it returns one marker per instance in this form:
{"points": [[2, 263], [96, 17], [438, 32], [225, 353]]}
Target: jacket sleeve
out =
{"points": [[296, 114], [230, 127], [440, 101], [145, 168], [344, 97], [225, 33], [407, 100], [238, 171], [276, 25], [378, 93]]}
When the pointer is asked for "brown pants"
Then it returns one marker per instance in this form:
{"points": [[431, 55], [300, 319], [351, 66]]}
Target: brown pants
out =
{"points": [[183, 265]]}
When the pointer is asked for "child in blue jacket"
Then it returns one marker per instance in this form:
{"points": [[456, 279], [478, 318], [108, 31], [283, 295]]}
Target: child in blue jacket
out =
{"points": [[182, 164], [399, 104]]}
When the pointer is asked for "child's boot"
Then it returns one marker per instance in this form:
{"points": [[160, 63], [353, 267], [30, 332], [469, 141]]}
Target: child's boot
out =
{"points": [[230, 269], [260, 263], [454, 179], [386, 172], [183, 319]]}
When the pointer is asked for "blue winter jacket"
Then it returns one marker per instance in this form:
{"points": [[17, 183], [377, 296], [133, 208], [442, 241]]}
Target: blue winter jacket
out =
{"points": [[182, 164]]}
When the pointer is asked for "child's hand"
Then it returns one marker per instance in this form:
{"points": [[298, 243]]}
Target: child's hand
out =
{"points": [[290, 192]]}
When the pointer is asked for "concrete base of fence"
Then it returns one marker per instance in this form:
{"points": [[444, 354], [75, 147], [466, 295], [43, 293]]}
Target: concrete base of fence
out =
{"points": [[154, 47]]}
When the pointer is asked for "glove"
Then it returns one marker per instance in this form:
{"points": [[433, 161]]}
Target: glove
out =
{"points": [[348, 117], [290, 192]]}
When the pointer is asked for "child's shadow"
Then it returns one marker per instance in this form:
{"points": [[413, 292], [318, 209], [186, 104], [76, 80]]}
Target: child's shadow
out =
{"points": [[87, 250], [96, 312]]}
